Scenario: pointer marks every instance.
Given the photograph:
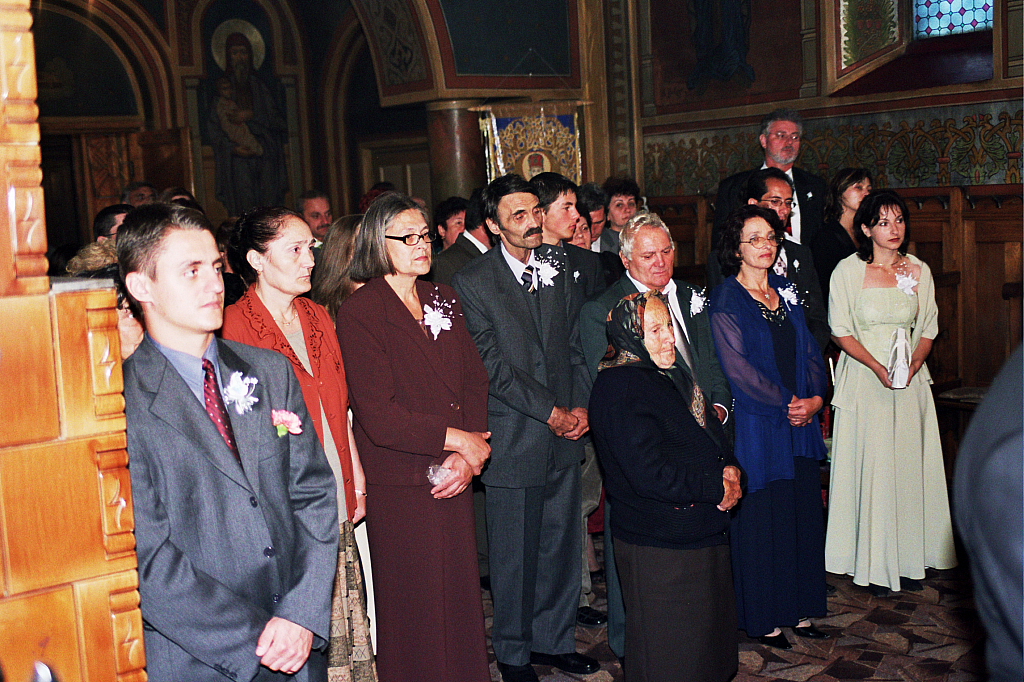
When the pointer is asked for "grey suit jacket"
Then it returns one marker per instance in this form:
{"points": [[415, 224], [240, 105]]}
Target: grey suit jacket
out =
{"points": [[223, 546], [595, 340], [530, 370]]}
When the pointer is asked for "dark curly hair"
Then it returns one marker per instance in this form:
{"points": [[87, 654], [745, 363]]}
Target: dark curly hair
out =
{"points": [[868, 215], [732, 230]]}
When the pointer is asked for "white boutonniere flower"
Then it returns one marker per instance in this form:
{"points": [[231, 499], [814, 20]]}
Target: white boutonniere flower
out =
{"points": [[238, 392], [438, 316], [810, 194], [790, 296], [576, 276], [906, 283], [547, 271], [697, 303], [796, 264]]}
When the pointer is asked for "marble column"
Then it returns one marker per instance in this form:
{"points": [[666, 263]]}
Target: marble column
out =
{"points": [[457, 162]]}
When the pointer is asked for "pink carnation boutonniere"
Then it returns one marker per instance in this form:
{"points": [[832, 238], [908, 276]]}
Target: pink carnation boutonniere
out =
{"points": [[286, 422]]}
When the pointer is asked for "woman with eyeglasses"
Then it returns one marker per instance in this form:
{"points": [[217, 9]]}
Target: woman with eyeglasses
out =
{"points": [[419, 396], [272, 250], [777, 379]]}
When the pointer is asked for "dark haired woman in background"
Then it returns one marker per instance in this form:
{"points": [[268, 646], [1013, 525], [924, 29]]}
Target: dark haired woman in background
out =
{"points": [[331, 282], [837, 238], [777, 379], [888, 506], [419, 396], [271, 249]]}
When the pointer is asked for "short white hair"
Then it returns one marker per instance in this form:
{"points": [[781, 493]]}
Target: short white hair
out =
{"points": [[641, 220]]}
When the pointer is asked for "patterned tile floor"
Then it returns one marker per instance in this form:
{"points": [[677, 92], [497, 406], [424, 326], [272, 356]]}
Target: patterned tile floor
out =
{"points": [[929, 636]]}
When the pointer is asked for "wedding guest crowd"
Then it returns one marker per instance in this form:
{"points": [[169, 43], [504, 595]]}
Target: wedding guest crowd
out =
{"points": [[531, 339]]}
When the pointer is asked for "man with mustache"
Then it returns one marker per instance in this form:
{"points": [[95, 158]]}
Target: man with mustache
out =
{"points": [[522, 309], [781, 131]]}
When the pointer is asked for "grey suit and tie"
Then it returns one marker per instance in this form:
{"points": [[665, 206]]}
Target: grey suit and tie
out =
{"points": [[532, 352], [225, 545]]}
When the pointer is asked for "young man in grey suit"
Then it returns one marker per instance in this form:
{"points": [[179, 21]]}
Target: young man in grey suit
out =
{"points": [[236, 523], [522, 311], [647, 251]]}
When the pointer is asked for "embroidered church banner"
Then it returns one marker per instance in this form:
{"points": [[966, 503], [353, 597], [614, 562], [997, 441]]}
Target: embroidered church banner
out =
{"points": [[532, 138]]}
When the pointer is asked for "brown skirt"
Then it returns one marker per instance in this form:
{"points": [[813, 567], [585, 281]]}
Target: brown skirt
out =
{"points": [[680, 613], [430, 623], [350, 651]]}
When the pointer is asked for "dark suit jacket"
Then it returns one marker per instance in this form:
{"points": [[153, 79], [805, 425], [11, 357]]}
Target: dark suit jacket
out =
{"points": [[224, 546], [448, 262], [406, 387], [585, 268], [801, 272], [531, 370], [808, 191], [595, 340]]}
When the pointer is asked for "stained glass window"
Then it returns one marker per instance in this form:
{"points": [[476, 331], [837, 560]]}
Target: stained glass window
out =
{"points": [[946, 17]]}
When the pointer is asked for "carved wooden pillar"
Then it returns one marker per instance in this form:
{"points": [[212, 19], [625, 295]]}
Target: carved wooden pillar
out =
{"points": [[457, 163], [68, 585]]}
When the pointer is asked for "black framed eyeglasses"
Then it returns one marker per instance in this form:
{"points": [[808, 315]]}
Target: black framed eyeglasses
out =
{"points": [[414, 239]]}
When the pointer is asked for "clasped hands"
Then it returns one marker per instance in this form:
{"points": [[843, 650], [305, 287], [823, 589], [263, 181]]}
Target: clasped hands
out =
{"points": [[801, 410], [470, 451], [569, 424]]}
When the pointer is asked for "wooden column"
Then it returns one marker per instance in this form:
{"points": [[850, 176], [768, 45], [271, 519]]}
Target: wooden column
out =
{"points": [[68, 585]]}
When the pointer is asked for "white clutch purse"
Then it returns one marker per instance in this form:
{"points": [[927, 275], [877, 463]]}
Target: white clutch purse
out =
{"points": [[899, 359]]}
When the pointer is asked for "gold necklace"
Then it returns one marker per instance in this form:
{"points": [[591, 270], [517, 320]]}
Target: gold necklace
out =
{"points": [[287, 323]]}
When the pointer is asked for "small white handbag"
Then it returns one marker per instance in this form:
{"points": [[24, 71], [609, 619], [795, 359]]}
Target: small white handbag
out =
{"points": [[899, 359]]}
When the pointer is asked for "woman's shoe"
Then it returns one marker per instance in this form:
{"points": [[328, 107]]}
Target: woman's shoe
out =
{"points": [[778, 641], [910, 584], [810, 632], [878, 590]]}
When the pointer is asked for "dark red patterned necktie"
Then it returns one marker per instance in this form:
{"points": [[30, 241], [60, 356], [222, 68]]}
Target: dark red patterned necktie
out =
{"points": [[215, 408]]}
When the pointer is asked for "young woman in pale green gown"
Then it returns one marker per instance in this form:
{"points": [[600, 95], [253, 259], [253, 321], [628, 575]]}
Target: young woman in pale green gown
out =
{"points": [[888, 503]]}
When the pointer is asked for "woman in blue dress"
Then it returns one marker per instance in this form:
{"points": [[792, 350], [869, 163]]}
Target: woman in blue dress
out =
{"points": [[777, 378]]}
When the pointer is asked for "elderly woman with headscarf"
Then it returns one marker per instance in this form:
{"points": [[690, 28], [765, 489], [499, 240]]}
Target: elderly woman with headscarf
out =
{"points": [[672, 479]]}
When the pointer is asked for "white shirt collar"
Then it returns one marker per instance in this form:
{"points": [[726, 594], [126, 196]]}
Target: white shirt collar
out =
{"points": [[517, 266], [484, 248]]}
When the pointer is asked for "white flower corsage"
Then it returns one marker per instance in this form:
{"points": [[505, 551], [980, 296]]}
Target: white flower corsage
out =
{"points": [[790, 296], [906, 283], [239, 392], [697, 303], [547, 271], [437, 317]]}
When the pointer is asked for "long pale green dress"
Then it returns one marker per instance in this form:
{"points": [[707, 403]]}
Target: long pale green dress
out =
{"points": [[888, 503]]}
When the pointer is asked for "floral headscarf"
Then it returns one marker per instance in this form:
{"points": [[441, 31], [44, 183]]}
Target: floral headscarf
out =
{"points": [[625, 329]]}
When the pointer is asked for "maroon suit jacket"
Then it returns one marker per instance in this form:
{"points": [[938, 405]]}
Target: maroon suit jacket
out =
{"points": [[248, 321], [408, 384]]}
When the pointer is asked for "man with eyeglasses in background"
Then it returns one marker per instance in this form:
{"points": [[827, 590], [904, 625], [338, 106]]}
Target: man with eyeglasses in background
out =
{"points": [[781, 131]]}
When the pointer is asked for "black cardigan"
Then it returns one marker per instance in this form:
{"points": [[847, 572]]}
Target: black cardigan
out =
{"points": [[662, 471]]}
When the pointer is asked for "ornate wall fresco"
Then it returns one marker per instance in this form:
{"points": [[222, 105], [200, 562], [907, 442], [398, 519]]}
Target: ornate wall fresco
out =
{"points": [[967, 145], [724, 52]]}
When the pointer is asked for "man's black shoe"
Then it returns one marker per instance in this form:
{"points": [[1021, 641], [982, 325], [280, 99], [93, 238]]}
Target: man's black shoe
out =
{"points": [[590, 618], [517, 673], [830, 588], [574, 663], [485, 582]]}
